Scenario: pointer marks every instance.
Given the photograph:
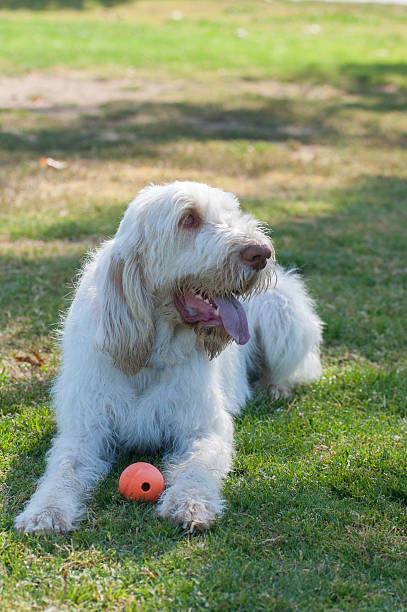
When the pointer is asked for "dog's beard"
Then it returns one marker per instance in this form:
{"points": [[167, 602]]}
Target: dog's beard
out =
{"points": [[212, 308], [212, 340], [210, 305]]}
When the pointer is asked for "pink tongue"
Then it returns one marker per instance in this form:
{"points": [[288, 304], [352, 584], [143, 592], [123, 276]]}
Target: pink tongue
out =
{"points": [[233, 318]]}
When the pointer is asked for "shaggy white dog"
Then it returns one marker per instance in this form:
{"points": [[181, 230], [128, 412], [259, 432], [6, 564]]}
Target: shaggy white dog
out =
{"points": [[173, 322]]}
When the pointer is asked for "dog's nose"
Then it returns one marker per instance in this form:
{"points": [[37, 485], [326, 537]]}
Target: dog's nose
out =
{"points": [[255, 256]]}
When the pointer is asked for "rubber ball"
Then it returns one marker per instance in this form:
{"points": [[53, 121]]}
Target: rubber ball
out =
{"points": [[141, 482]]}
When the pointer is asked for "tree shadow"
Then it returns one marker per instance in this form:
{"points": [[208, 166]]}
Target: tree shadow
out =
{"points": [[32, 390], [124, 129], [372, 74], [356, 260]]}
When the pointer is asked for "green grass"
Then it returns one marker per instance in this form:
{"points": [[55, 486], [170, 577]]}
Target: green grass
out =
{"points": [[350, 44], [309, 130]]}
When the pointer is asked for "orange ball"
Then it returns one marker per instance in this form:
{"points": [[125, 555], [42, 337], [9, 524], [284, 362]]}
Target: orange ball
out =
{"points": [[141, 482]]}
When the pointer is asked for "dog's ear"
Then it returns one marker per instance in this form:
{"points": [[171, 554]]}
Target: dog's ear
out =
{"points": [[126, 315]]}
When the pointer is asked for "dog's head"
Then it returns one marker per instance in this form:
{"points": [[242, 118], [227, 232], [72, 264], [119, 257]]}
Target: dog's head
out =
{"points": [[183, 252]]}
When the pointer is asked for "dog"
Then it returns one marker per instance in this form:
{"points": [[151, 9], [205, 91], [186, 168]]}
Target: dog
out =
{"points": [[175, 323]]}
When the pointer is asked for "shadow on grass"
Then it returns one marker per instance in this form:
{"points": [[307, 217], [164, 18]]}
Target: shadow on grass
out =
{"points": [[365, 78], [124, 129], [31, 390], [359, 237], [357, 261], [371, 74], [35, 289]]}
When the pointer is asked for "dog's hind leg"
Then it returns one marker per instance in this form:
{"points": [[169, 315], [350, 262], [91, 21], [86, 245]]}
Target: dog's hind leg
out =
{"points": [[286, 334]]}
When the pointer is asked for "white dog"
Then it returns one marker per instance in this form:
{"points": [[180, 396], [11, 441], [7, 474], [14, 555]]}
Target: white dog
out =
{"points": [[149, 361]]}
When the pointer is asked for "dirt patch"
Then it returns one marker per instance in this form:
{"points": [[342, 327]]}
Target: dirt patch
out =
{"points": [[76, 93]]}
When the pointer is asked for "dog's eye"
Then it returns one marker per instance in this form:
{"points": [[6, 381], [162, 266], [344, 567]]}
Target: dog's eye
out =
{"points": [[189, 220]]}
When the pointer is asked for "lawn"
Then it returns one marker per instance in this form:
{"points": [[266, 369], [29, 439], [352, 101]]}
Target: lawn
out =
{"points": [[300, 109]]}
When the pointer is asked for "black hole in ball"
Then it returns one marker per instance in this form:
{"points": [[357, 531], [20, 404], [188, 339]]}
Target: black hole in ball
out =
{"points": [[145, 486]]}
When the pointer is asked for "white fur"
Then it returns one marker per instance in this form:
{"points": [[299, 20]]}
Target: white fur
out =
{"points": [[134, 376]]}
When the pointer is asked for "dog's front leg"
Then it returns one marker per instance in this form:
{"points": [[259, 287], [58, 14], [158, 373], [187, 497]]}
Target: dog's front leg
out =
{"points": [[73, 468], [194, 478]]}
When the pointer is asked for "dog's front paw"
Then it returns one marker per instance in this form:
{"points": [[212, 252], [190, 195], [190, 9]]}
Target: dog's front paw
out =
{"points": [[190, 513], [45, 520]]}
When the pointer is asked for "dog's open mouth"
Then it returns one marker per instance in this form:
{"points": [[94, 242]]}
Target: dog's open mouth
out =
{"points": [[224, 312]]}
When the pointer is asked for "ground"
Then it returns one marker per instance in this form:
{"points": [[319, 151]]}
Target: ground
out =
{"points": [[300, 110]]}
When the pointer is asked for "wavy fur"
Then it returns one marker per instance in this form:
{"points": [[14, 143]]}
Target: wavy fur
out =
{"points": [[135, 376]]}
